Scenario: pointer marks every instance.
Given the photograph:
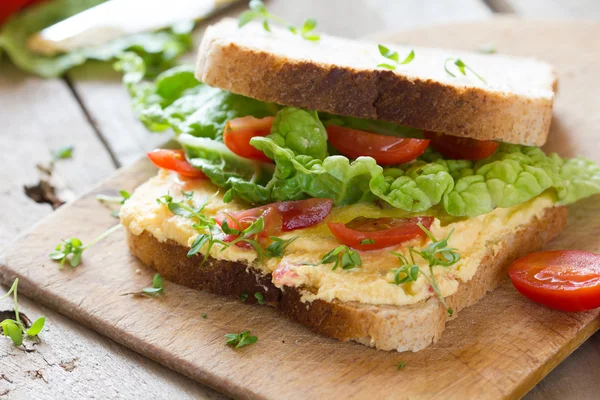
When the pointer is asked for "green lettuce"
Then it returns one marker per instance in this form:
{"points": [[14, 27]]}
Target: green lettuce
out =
{"points": [[158, 49], [304, 166]]}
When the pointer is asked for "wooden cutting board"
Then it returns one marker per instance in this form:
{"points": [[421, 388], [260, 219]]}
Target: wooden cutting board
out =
{"points": [[498, 348]]}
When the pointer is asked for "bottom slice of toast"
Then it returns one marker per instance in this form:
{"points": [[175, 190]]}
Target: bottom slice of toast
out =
{"points": [[401, 328]]}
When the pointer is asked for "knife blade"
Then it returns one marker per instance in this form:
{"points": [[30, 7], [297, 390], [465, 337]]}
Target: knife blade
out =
{"points": [[117, 18]]}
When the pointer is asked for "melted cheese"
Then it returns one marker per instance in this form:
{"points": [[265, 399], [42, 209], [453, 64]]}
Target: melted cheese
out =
{"points": [[473, 237]]}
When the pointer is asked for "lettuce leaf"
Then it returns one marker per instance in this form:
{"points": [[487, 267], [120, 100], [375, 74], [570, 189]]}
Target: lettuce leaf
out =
{"points": [[159, 50], [302, 167]]}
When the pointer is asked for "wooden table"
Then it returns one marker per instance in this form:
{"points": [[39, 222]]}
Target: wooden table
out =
{"points": [[90, 110]]}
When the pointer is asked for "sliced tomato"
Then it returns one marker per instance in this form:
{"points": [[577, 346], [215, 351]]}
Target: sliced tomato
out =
{"points": [[239, 131], [279, 217], [459, 148], [386, 150], [378, 233], [174, 160], [566, 280], [9, 7]]}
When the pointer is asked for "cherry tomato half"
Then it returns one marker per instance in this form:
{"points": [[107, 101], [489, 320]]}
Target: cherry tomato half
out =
{"points": [[377, 233], [459, 148], [239, 131], [386, 150], [566, 280], [174, 160]]}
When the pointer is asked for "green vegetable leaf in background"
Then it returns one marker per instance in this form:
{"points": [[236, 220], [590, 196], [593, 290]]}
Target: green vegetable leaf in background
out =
{"points": [[159, 50]]}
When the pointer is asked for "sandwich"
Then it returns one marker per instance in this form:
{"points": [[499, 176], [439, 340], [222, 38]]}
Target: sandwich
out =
{"points": [[368, 191]]}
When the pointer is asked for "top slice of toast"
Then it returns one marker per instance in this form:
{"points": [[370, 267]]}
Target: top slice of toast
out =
{"points": [[342, 76]]}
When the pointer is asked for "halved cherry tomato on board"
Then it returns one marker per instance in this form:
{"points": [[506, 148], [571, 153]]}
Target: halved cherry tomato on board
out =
{"points": [[174, 160], [459, 148], [377, 233], [566, 280], [239, 131], [279, 217], [386, 150]]}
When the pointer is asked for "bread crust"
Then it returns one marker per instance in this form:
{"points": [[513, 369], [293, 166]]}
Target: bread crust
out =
{"points": [[475, 112], [401, 328]]}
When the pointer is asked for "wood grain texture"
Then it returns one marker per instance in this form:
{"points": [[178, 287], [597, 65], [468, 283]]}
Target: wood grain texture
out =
{"points": [[70, 360], [478, 356]]}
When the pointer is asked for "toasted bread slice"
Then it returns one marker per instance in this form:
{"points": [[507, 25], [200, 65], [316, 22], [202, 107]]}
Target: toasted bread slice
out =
{"points": [[342, 76], [401, 328]]}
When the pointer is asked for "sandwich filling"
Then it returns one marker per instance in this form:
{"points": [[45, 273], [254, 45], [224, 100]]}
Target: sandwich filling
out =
{"points": [[465, 195]]}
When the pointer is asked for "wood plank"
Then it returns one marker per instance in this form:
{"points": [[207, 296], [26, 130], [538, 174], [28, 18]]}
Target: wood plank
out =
{"points": [[478, 356], [39, 116], [128, 139]]}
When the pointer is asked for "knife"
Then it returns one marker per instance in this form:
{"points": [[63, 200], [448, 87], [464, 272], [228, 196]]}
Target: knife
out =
{"points": [[116, 18]]}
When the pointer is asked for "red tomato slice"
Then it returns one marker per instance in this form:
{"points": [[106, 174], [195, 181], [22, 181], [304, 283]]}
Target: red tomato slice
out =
{"points": [[174, 160], [378, 233], [9, 7], [239, 131], [279, 217], [386, 150], [458, 148], [566, 280]]}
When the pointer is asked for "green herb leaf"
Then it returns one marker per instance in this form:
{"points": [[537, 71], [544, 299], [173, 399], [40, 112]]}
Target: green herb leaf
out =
{"points": [[259, 296], [258, 11], [204, 316], [393, 56], [71, 249], [401, 365], [238, 340], [62, 153], [13, 331], [158, 286], [367, 241], [277, 248], [348, 257], [462, 67], [244, 296], [36, 327], [436, 253]]}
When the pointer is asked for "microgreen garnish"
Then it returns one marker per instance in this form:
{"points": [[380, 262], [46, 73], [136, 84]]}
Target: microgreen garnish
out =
{"points": [[277, 248], [204, 316], [401, 365], [258, 11], [342, 254], [393, 56], [367, 241], [206, 226], [158, 286], [72, 249], [238, 340], [244, 296], [462, 67], [62, 153], [436, 253], [259, 297], [488, 48], [109, 200], [15, 328], [123, 196], [247, 235]]}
